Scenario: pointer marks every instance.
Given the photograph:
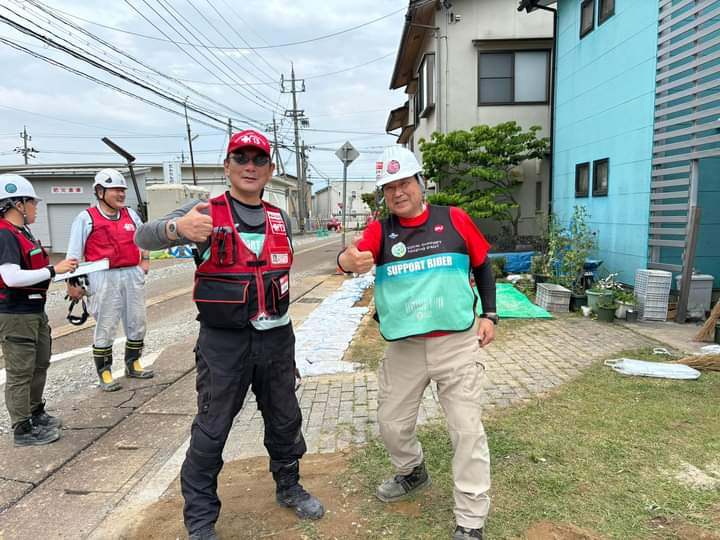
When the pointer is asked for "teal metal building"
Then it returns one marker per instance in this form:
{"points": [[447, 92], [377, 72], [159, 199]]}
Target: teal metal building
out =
{"points": [[636, 135]]}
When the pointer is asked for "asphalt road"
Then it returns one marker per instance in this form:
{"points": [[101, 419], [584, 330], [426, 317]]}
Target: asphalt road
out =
{"points": [[72, 368]]}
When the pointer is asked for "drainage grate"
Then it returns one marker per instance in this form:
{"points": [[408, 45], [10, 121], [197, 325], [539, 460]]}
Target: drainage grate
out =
{"points": [[309, 300]]}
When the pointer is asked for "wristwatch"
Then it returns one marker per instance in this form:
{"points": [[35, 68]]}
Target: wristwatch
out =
{"points": [[51, 268], [173, 230], [491, 316]]}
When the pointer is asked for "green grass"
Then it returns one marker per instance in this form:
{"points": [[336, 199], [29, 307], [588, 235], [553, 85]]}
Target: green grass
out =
{"points": [[601, 453]]}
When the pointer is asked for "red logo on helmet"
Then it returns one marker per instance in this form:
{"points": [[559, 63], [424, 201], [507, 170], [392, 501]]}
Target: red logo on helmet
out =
{"points": [[439, 228], [393, 166]]}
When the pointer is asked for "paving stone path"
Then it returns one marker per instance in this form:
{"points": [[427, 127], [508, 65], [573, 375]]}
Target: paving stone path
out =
{"points": [[528, 359]]}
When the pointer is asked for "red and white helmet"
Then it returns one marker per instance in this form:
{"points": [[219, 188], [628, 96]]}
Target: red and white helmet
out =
{"points": [[397, 163], [110, 178]]}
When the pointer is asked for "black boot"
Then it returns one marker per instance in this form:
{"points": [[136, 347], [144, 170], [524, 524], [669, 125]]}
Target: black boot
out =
{"points": [[291, 494], [206, 533], [28, 434], [133, 368], [403, 485], [103, 364], [41, 418]]}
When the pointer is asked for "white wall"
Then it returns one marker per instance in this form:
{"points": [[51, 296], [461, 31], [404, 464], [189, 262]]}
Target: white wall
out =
{"points": [[456, 95], [327, 200]]}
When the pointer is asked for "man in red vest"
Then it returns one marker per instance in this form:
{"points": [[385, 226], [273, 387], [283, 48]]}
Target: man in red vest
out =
{"points": [[107, 231], [242, 292]]}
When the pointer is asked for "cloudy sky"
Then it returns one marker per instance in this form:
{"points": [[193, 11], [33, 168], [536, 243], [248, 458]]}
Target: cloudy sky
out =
{"points": [[222, 56]]}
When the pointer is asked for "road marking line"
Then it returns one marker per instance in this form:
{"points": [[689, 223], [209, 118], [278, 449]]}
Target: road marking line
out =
{"points": [[146, 360]]}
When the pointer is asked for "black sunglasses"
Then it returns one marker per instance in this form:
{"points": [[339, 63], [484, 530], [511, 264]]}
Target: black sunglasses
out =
{"points": [[259, 160]]}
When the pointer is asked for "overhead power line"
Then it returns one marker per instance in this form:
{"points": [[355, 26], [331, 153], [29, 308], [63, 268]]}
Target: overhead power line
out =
{"points": [[258, 47], [238, 34], [50, 12], [201, 64], [317, 76], [109, 85], [95, 64], [230, 72]]}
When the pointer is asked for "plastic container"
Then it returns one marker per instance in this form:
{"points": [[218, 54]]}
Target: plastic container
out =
{"points": [[700, 296], [553, 298], [652, 293]]}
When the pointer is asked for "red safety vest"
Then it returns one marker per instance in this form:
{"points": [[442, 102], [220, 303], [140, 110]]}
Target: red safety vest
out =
{"points": [[234, 286], [112, 239], [32, 257]]}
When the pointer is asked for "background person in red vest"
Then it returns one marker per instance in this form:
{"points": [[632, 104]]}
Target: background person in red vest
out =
{"points": [[242, 293], [25, 274], [107, 231], [426, 310]]}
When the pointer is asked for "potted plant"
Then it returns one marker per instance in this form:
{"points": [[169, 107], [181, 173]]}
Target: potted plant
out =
{"points": [[606, 309], [538, 265], [545, 265], [580, 241], [602, 289], [625, 300]]}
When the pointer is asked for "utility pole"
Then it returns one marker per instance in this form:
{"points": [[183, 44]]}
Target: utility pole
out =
{"points": [[279, 166], [189, 136], [229, 128], [25, 151], [306, 167], [296, 114]]}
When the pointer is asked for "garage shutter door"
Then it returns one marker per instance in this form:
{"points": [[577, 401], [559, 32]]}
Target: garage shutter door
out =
{"points": [[61, 217]]}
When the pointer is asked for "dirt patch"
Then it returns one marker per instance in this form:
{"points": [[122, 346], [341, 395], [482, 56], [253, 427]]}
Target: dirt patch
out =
{"points": [[367, 346], [546, 530], [367, 297], [682, 529], [410, 508], [249, 510]]}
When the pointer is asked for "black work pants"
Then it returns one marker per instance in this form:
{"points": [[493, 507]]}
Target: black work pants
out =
{"points": [[228, 363]]}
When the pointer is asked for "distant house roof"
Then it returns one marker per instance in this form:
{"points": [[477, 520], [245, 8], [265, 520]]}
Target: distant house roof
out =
{"points": [[530, 5], [420, 15], [398, 118]]}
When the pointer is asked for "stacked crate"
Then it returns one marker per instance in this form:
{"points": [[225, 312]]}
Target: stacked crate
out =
{"points": [[652, 294], [553, 298]]}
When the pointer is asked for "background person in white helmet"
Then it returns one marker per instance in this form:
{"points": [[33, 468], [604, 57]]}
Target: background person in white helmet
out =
{"points": [[107, 231], [426, 309], [25, 274]]}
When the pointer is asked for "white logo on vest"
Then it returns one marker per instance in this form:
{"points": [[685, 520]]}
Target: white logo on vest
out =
{"points": [[399, 250]]}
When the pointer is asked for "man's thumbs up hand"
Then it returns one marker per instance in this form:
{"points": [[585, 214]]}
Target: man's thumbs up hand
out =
{"points": [[196, 225]]}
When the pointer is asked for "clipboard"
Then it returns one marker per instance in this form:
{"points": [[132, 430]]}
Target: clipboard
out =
{"points": [[84, 269]]}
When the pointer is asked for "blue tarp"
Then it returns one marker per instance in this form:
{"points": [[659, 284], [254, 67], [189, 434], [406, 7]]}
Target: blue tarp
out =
{"points": [[515, 263]]}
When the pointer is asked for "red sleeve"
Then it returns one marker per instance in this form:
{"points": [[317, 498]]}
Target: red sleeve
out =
{"points": [[371, 239], [477, 246]]}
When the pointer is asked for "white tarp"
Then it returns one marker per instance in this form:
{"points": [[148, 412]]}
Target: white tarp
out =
{"points": [[322, 340]]}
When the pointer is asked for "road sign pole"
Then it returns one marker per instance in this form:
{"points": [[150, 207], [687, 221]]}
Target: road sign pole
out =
{"points": [[347, 154], [344, 197]]}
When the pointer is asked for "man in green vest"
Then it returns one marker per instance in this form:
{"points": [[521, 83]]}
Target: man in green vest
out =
{"points": [[426, 310]]}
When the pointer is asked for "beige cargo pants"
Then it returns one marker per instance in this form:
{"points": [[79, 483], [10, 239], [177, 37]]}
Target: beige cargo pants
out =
{"points": [[453, 362]]}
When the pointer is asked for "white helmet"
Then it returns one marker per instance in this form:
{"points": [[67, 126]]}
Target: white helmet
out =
{"points": [[14, 186], [397, 163], [110, 178]]}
